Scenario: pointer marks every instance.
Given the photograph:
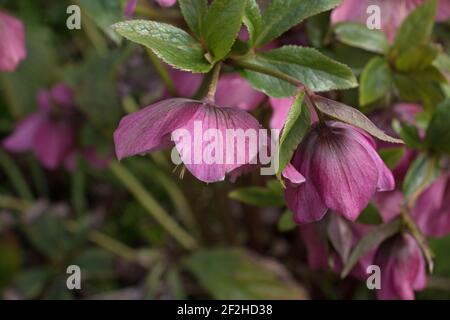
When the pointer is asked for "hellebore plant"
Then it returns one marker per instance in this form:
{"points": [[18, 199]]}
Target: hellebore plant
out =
{"points": [[327, 160], [12, 44]]}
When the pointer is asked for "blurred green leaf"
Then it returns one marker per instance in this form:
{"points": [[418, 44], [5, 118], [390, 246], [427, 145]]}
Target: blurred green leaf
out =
{"points": [[104, 13], [286, 221], [422, 172], [417, 58], [370, 215], [252, 19], [438, 131], [416, 28], [391, 156], [375, 81], [359, 36], [317, 29], [31, 282], [95, 262], [259, 196], [233, 273], [173, 45]]}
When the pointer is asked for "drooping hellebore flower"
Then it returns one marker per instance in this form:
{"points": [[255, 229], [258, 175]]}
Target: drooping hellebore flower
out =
{"points": [[393, 12], [342, 171], [200, 132], [12, 42], [402, 268]]}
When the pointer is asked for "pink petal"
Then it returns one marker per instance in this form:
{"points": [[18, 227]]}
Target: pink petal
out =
{"points": [[24, 135], [150, 128], [443, 12], [53, 142], [315, 245], [233, 91], [186, 83], [389, 204], [62, 95], [206, 158], [43, 100], [166, 3], [432, 209], [12, 44], [129, 8], [280, 111], [292, 175]]}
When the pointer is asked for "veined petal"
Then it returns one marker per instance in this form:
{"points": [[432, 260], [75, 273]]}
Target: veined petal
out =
{"points": [[217, 141], [149, 129], [292, 175]]}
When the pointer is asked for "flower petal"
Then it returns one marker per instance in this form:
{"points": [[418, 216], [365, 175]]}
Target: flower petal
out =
{"points": [[23, 136], [12, 44], [150, 128], [233, 91], [206, 148]]}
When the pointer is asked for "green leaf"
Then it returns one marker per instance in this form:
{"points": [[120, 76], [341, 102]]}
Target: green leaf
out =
{"points": [[340, 235], [416, 28], [438, 131], [286, 221], [371, 240], [359, 36], [418, 58], [252, 19], [221, 26], [410, 135], [31, 282], [282, 15], [392, 156], [259, 196], [194, 12], [104, 13], [375, 81], [307, 65], [423, 171], [295, 128], [351, 116], [317, 29], [173, 45], [370, 215], [237, 274]]}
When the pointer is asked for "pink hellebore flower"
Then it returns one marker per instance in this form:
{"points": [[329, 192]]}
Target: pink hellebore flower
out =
{"points": [[280, 111], [342, 171], [402, 268], [48, 131], [431, 211], [157, 126], [12, 42], [393, 12], [129, 8]]}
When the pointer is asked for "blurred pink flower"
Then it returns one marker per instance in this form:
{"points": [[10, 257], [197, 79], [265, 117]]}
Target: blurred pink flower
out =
{"points": [[153, 127], [342, 171], [129, 8], [12, 43], [233, 91], [402, 268], [393, 12], [50, 132]]}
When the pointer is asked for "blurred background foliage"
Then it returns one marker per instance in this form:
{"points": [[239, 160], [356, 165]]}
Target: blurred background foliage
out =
{"points": [[112, 222]]}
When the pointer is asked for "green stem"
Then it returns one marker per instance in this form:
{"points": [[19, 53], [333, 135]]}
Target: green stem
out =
{"points": [[15, 176], [210, 96], [162, 72], [152, 206]]}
